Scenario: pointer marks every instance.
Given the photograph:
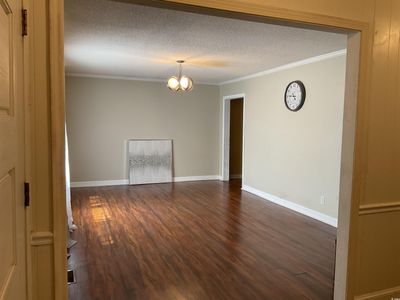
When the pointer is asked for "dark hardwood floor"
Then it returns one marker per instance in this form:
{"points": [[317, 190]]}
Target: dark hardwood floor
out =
{"points": [[195, 240]]}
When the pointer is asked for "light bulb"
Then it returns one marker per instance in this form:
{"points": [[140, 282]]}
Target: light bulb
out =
{"points": [[173, 83], [190, 87], [186, 83]]}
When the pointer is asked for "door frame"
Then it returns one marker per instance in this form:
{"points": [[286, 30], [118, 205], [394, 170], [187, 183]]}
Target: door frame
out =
{"points": [[57, 125], [249, 11], [225, 142]]}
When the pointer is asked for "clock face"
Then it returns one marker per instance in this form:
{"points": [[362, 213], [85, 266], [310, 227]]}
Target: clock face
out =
{"points": [[295, 95]]}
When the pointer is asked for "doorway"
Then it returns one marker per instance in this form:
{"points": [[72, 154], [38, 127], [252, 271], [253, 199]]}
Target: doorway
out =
{"points": [[233, 134], [227, 155], [236, 139]]}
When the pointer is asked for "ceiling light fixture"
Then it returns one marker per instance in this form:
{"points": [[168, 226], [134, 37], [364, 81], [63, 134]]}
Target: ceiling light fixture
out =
{"points": [[180, 83]]}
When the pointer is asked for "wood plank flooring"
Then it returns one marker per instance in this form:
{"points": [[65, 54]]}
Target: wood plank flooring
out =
{"points": [[195, 240]]}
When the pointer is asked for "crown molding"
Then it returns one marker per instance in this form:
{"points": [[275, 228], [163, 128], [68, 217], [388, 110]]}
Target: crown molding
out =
{"points": [[87, 75], [289, 66], [99, 76], [258, 74]]}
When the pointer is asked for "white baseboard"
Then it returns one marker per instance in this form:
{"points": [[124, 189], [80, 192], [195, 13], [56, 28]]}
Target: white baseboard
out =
{"points": [[197, 178], [293, 206], [126, 181], [99, 183]]}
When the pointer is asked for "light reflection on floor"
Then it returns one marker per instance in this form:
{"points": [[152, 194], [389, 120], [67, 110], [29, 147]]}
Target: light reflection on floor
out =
{"points": [[101, 215]]}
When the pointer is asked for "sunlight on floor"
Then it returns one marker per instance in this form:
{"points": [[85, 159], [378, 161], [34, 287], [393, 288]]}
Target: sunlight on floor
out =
{"points": [[101, 214]]}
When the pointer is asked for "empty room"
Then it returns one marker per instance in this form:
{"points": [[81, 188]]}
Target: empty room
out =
{"points": [[204, 154]]}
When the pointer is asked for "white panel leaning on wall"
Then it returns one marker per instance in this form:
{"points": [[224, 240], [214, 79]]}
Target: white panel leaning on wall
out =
{"points": [[150, 161]]}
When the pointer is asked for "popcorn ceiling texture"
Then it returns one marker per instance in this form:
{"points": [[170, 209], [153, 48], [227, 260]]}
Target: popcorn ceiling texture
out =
{"points": [[122, 39]]}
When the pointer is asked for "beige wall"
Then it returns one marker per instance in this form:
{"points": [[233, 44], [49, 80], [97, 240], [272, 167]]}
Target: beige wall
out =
{"points": [[103, 113], [236, 137], [295, 155]]}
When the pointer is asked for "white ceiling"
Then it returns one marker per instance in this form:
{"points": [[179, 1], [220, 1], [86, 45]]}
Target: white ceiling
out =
{"points": [[120, 39]]}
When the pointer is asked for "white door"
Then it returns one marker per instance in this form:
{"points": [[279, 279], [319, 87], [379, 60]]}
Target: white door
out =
{"points": [[12, 210]]}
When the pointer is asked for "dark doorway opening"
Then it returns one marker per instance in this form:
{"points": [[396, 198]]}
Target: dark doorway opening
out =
{"points": [[236, 139]]}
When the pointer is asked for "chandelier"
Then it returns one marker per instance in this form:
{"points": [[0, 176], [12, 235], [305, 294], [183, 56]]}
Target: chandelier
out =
{"points": [[180, 83]]}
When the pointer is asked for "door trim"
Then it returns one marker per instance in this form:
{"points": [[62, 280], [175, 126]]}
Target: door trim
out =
{"points": [[250, 11], [225, 143], [57, 104]]}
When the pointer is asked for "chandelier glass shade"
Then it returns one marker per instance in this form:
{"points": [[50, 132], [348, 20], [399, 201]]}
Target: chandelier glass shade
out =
{"points": [[181, 82]]}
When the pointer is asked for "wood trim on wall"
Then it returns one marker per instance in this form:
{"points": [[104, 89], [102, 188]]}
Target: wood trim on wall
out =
{"points": [[29, 134], [380, 295], [57, 94], [347, 164], [253, 11], [375, 208], [360, 155], [42, 238]]}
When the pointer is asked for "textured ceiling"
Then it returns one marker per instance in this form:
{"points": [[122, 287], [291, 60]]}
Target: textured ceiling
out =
{"points": [[120, 39]]}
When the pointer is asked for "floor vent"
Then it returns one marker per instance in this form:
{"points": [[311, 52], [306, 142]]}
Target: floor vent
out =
{"points": [[71, 277]]}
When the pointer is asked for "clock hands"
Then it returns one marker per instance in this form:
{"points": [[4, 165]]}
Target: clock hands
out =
{"points": [[295, 95]]}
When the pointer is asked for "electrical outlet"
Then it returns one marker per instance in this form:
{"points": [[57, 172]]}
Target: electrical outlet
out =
{"points": [[322, 200]]}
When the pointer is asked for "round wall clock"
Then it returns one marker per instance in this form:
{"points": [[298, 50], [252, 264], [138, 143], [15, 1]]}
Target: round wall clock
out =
{"points": [[295, 95]]}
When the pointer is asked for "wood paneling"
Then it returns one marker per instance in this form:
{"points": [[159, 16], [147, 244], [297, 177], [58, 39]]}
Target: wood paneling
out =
{"points": [[378, 246], [384, 110], [5, 57], [198, 240], [43, 266], [379, 256], [39, 171], [40, 120], [7, 229]]}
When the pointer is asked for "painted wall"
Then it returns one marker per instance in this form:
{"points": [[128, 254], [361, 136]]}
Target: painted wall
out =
{"points": [[236, 137], [295, 155], [103, 113]]}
